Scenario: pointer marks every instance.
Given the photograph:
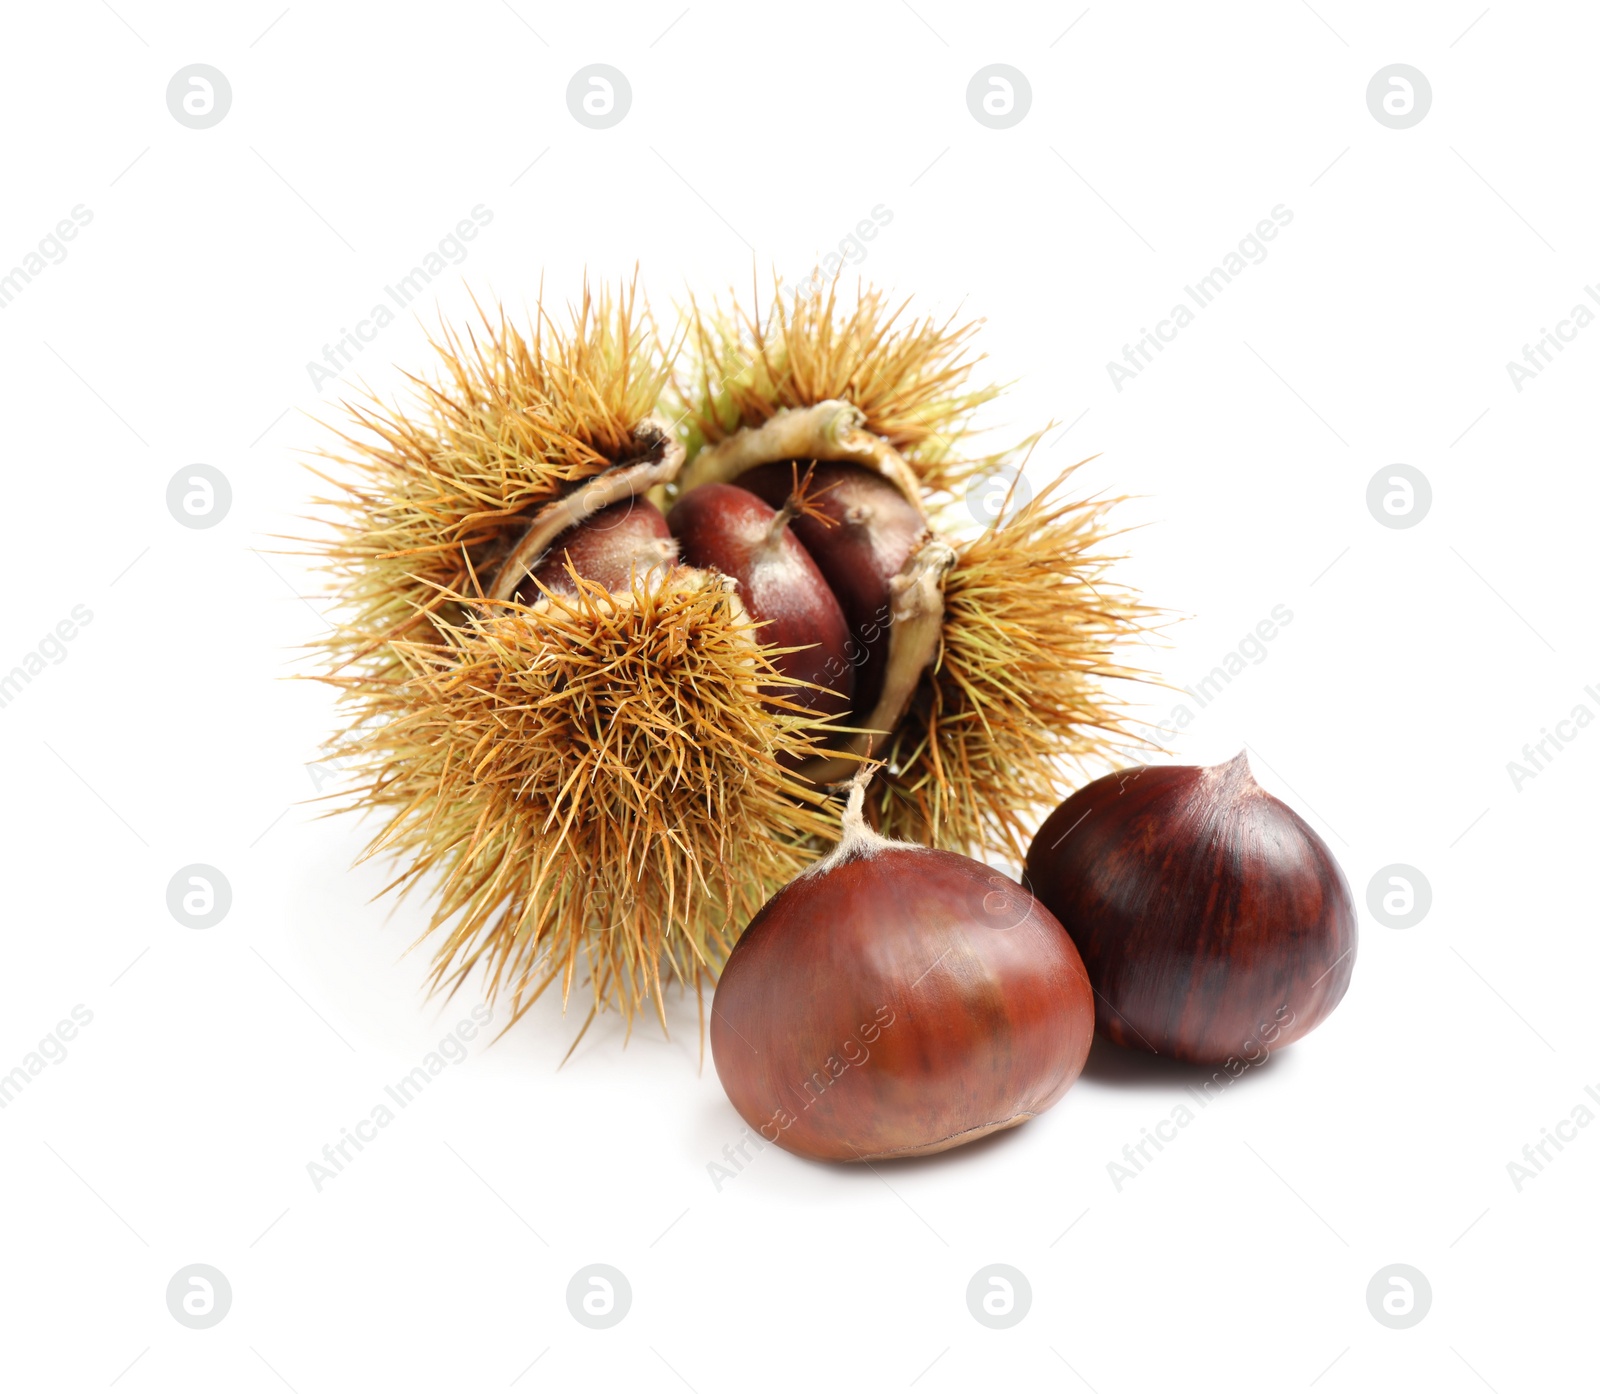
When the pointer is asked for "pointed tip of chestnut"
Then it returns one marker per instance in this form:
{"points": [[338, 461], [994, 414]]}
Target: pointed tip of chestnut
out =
{"points": [[1235, 775]]}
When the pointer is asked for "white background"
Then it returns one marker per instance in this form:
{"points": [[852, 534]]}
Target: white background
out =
{"points": [[219, 1062]]}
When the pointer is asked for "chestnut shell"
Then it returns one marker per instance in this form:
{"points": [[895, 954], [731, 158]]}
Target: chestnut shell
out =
{"points": [[867, 532], [1212, 920], [899, 1001]]}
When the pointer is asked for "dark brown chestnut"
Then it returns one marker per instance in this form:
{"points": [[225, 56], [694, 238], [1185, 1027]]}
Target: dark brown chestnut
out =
{"points": [[861, 531], [612, 546], [722, 526], [895, 1000], [1214, 923]]}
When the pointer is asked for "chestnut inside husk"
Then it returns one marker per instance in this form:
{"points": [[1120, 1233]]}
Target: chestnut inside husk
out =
{"points": [[861, 533], [820, 526], [735, 532], [622, 542]]}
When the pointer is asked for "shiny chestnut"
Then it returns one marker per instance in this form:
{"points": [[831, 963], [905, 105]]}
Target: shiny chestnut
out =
{"points": [[1213, 921], [896, 1000]]}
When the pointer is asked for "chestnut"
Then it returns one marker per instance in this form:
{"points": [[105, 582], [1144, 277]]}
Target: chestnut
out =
{"points": [[1212, 920], [730, 529], [611, 547], [895, 1000], [860, 532]]}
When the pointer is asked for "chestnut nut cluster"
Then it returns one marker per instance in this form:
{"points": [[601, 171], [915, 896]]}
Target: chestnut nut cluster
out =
{"points": [[822, 553]]}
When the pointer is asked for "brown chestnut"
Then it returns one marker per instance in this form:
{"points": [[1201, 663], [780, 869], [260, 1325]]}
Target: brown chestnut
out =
{"points": [[612, 546], [1214, 923], [722, 526], [861, 531], [895, 1000]]}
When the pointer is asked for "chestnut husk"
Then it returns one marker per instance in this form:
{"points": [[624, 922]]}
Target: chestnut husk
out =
{"points": [[1213, 921], [592, 782], [896, 1000]]}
